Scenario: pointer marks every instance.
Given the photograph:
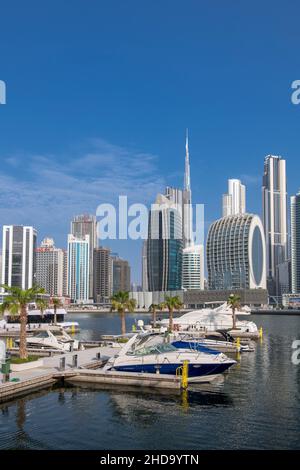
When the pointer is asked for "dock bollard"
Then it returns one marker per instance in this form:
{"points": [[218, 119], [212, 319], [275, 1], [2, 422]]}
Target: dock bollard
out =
{"points": [[62, 363], [261, 332], [185, 374], [75, 361], [238, 344], [5, 368], [98, 356]]}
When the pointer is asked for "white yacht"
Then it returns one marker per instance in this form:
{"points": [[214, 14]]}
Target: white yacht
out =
{"points": [[37, 319], [151, 354], [212, 319], [55, 338]]}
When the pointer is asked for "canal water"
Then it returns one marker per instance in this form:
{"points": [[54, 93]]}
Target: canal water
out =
{"points": [[255, 406]]}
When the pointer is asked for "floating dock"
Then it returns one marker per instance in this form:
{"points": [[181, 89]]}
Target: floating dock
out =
{"points": [[80, 367]]}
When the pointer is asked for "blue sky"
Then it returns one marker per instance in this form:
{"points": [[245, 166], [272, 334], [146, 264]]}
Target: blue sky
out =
{"points": [[99, 95]]}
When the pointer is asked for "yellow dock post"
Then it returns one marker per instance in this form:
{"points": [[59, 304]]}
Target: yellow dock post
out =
{"points": [[185, 374], [238, 344], [7, 343], [261, 332], [11, 343], [73, 329]]}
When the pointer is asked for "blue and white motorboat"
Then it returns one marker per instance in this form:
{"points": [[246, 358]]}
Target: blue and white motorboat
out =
{"points": [[151, 354], [221, 343]]}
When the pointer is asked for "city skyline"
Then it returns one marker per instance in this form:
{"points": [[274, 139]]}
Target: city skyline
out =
{"points": [[92, 133], [137, 278]]}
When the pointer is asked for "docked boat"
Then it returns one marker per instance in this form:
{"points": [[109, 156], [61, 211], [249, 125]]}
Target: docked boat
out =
{"points": [[213, 319], [55, 338], [37, 320], [220, 340], [151, 354]]}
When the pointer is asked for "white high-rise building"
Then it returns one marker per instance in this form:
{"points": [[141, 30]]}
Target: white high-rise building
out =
{"points": [[81, 226], [274, 193], [78, 268], [234, 202], [50, 268], [18, 256], [193, 267], [295, 242]]}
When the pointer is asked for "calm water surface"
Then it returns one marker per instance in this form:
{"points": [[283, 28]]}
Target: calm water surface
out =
{"points": [[255, 406]]}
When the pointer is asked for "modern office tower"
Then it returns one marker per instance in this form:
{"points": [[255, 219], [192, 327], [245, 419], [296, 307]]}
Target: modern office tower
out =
{"points": [[295, 243], [81, 226], [18, 256], [234, 202], [144, 267], [283, 279], [121, 275], [164, 246], [78, 268], [193, 267], [50, 268], [102, 275], [274, 193], [236, 253]]}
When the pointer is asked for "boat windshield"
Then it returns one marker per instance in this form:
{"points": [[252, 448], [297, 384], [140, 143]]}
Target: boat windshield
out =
{"points": [[154, 349], [41, 334]]}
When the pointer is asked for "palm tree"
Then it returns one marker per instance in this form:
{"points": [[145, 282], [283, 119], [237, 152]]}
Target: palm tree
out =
{"points": [[16, 302], [172, 303], [42, 304], [153, 308], [56, 302], [121, 302], [234, 302]]}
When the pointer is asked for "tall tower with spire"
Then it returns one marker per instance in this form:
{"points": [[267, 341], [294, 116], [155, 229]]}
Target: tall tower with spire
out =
{"points": [[187, 214]]}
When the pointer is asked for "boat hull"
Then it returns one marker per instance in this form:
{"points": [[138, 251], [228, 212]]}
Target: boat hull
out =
{"points": [[196, 372]]}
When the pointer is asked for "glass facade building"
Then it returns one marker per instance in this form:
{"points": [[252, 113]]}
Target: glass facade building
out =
{"points": [[78, 268], [164, 246], [295, 242], [236, 253], [274, 192], [82, 225]]}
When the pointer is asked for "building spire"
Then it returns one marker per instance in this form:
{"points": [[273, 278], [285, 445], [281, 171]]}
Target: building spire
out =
{"points": [[187, 183]]}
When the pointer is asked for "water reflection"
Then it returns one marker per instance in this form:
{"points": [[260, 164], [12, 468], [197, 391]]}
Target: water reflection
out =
{"points": [[255, 405]]}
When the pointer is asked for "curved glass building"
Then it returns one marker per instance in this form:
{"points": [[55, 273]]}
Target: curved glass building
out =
{"points": [[236, 253]]}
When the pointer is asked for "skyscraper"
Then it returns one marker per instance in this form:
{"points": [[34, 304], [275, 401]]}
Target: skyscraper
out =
{"points": [[50, 268], [121, 274], [274, 193], [193, 267], [144, 267], [81, 226], [234, 202], [164, 246], [78, 268], [236, 253], [295, 243], [102, 274], [187, 214], [18, 256]]}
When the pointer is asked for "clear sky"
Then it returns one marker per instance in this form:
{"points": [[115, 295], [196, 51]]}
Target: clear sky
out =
{"points": [[99, 94]]}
